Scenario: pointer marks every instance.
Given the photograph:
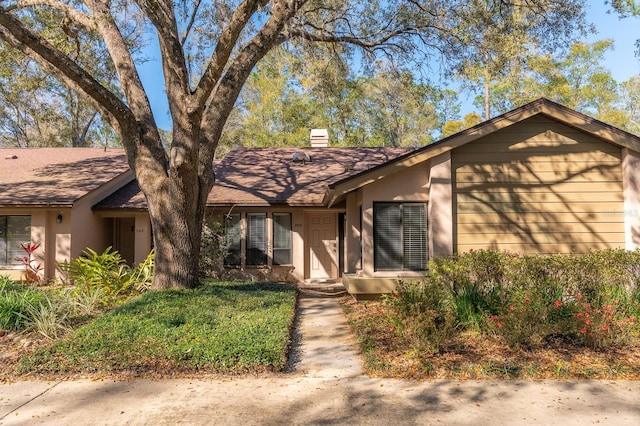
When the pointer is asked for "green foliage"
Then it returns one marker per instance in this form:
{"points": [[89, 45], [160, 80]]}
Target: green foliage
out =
{"points": [[226, 327], [109, 272], [16, 301], [49, 313], [419, 314], [213, 249], [47, 318], [525, 300]]}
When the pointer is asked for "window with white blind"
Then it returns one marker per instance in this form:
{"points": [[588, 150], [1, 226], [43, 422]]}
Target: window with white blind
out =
{"points": [[256, 239], [14, 230], [282, 239], [400, 236], [233, 239]]}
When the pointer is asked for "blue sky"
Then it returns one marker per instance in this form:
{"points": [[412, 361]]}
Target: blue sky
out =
{"points": [[624, 32], [621, 62]]}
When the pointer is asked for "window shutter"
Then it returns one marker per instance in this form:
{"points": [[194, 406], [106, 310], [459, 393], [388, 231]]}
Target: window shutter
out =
{"points": [[387, 236]]}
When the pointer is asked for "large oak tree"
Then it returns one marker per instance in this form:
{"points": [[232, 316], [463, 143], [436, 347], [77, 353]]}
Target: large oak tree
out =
{"points": [[208, 49]]}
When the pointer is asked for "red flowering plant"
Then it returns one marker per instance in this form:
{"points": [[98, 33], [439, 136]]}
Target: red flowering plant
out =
{"points": [[528, 316], [604, 324], [31, 269]]}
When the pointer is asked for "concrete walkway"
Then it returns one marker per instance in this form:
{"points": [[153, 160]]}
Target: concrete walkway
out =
{"points": [[325, 386]]}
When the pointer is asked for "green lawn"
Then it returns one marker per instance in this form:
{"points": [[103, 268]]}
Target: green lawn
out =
{"points": [[223, 327]]}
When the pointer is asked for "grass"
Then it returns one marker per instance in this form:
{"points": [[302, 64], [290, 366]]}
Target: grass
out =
{"points": [[222, 327]]}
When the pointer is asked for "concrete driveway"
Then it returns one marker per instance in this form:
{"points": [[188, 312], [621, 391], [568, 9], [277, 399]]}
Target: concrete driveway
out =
{"points": [[325, 386]]}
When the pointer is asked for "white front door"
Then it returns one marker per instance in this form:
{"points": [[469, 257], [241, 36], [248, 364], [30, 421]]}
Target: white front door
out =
{"points": [[322, 243]]}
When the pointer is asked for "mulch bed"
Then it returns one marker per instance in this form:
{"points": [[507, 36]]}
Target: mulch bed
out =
{"points": [[467, 355]]}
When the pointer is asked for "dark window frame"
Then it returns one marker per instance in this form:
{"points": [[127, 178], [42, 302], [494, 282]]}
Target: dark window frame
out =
{"points": [[400, 236], [282, 245]]}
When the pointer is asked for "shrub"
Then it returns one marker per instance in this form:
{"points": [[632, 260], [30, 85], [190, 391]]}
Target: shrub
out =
{"points": [[109, 272], [526, 299], [47, 318], [212, 249], [420, 315], [15, 302]]}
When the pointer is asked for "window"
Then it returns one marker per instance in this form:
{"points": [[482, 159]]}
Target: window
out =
{"points": [[282, 239], [256, 239], [400, 237], [233, 238], [14, 230]]}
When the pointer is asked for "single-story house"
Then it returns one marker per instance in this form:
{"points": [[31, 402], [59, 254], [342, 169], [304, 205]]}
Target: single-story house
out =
{"points": [[47, 197], [539, 179]]}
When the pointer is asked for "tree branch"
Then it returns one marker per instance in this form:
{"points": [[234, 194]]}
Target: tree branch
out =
{"points": [[192, 20], [222, 53], [130, 81], [74, 14], [230, 85], [174, 66], [16, 34]]}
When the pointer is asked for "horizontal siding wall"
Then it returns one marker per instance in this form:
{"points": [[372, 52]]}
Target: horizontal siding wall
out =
{"points": [[538, 187]]}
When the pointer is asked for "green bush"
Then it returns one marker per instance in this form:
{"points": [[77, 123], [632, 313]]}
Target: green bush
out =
{"points": [[593, 298], [15, 302], [419, 314], [109, 272]]}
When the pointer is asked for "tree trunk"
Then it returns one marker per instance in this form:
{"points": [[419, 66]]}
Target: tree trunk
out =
{"points": [[176, 222], [176, 189]]}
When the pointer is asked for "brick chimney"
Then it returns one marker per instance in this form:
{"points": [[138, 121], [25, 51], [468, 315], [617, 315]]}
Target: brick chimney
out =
{"points": [[319, 138]]}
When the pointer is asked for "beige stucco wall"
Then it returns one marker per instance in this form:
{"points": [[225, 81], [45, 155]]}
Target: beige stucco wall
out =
{"points": [[409, 185], [54, 239], [352, 232], [440, 208], [631, 189], [297, 237]]}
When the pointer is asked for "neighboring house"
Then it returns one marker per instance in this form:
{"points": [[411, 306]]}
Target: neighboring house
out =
{"points": [[539, 179], [46, 197]]}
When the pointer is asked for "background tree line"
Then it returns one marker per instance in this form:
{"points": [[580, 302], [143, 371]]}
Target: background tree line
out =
{"points": [[287, 94]]}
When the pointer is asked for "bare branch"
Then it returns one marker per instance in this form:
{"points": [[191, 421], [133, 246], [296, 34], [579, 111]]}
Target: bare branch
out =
{"points": [[174, 65], [131, 83], [192, 20], [235, 76], [226, 43]]}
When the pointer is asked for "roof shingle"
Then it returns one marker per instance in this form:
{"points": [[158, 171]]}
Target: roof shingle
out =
{"points": [[56, 176], [265, 176]]}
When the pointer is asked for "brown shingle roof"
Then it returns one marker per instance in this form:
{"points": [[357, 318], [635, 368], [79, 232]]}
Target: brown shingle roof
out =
{"points": [[264, 176], [55, 176], [258, 176]]}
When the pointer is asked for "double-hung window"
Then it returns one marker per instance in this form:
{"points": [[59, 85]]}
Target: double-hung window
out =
{"points": [[14, 230], [400, 236], [233, 239], [256, 239], [282, 239]]}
